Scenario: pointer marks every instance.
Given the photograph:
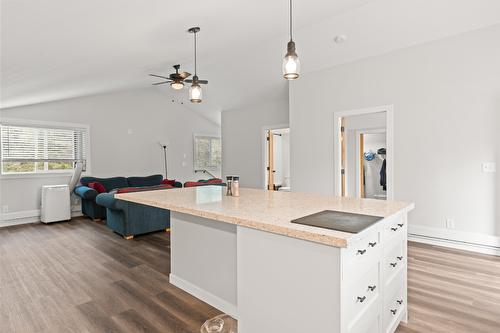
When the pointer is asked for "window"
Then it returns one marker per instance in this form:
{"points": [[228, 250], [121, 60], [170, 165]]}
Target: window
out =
{"points": [[207, 152], [40, 149]]}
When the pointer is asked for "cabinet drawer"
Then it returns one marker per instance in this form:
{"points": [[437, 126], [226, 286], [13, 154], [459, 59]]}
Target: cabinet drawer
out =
{"points": [[393, 311], [361, 255], [358, 297], [394, 228], [393, 262], [369, 323]]}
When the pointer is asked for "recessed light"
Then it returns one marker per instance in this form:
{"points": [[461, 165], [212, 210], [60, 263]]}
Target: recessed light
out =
{"points": [[340, 39]]}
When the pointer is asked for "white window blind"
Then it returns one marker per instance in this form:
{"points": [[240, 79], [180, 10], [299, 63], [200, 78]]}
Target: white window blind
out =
{"points": [[29, 149], [207, 152]]}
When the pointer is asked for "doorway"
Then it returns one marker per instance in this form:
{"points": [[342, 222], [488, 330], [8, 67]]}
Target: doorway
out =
{"points": [[371, 148], [277, 159], [363, 153]]}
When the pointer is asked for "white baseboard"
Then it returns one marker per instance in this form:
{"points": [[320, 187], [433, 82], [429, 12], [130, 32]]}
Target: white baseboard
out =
{"points": [[29, 216], [205, 296], [456, 239]]}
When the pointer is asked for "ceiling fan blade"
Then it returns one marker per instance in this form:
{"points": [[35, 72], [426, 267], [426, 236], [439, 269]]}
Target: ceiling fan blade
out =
{"points": [[184, 75], [199, 81], [163, 77], [155, 84]]}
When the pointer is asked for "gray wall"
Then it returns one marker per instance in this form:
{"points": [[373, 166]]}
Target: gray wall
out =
{"points": [[242, 139], [125, 128], [446, 97]]}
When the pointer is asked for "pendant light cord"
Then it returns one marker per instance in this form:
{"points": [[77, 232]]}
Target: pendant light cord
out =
{"points": [[195, 54], [291, 20]]}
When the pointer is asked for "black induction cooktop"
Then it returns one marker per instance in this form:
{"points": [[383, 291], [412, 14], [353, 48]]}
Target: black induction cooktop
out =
{"points": [[341, 221]]}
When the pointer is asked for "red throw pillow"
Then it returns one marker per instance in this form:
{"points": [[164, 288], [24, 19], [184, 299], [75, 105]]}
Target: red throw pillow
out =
{"points": [[214, 181], [170, 182], [97, 186]]}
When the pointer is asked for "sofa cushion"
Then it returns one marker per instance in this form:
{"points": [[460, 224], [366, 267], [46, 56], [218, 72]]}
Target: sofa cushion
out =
{"points": [[145, 188], [144, 181], [109, 183], [97, 186]]}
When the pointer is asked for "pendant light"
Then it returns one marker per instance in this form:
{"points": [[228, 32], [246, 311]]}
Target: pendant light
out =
{"points": [[291, 62], [195, 93]]}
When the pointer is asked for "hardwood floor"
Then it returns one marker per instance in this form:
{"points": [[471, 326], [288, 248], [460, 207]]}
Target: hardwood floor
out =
{"points": [[80, 277]]}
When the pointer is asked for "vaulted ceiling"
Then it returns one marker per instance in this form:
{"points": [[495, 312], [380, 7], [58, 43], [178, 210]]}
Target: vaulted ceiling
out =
{"points": [[59, 49]]}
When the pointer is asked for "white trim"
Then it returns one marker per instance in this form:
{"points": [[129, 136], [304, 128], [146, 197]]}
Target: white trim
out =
{"points": [[455, 239], [29, 216], [216, 302], [389, 110], [263, 130], [52, 174]]}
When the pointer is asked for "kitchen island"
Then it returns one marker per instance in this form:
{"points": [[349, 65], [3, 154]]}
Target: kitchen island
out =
{"points": [[244, 256]]}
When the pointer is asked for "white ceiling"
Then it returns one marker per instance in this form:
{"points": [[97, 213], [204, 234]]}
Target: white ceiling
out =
{"points": [[59, 49]]}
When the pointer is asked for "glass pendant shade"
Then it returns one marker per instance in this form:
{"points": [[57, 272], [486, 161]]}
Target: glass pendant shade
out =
{"points": [[177, 85], [195, 93], [291, 63]]}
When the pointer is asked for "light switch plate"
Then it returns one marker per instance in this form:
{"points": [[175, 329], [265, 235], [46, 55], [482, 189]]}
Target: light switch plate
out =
{"points": [[489, 167]]}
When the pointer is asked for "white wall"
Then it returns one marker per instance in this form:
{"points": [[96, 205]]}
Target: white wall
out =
{"points": [[125, 128], [446, 97], [243, 141]]}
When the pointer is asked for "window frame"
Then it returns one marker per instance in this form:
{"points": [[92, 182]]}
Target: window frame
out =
{"points": [[47, 124], [211, 136]]}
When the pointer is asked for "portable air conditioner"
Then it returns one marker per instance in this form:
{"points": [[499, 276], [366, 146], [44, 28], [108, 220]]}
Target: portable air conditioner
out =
{"points": [[55, 203]]}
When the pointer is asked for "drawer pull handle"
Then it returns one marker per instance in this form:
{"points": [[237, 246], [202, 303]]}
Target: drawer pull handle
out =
{"points": [[361, 252], [394, 229], [394, 311], [393, 264], [401, 225], [400, 258], [372, 288], [372, 244], [361, 299], [400, 301]]}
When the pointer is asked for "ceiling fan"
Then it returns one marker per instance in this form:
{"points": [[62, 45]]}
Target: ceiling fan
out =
{"points": [[176, 79]]}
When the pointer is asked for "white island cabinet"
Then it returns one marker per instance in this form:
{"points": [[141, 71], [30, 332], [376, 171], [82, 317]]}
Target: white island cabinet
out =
{"points": [[243, 256]]}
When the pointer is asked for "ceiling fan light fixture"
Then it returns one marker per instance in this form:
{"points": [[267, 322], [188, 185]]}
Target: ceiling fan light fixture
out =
{"points": [[177, 85]]}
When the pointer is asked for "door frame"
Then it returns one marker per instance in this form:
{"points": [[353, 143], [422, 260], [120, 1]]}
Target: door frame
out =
{"points": [[358, 151], [263, 141], [389, 124]]}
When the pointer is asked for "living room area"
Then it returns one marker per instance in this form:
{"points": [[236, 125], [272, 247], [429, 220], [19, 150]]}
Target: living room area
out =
{"points": [[250, 166]]}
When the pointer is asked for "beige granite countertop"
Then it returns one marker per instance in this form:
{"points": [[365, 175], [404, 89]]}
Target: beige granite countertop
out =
{"points": [[265, 210]]}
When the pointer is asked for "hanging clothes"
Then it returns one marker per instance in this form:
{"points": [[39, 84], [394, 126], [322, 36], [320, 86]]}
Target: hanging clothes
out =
{"points": [[383, 180]]}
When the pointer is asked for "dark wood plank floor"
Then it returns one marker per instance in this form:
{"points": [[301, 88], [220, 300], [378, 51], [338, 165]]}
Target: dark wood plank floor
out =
{"points": [[81, 277]]}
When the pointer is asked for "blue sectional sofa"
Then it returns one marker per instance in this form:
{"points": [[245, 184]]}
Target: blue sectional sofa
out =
{"points": [[88, 195]]}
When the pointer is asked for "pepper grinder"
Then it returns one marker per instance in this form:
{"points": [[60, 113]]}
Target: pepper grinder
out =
{"points": [[235, 186], [229, 184]]}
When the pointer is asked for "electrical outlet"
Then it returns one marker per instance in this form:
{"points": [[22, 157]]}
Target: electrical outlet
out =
{"points": [[5, 209], [489, 167], [450, 224]]}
